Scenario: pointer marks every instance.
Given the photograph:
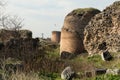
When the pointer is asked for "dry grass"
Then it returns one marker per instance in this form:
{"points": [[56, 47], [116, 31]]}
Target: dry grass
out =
{"points": [[44, 63], [24, 76]]}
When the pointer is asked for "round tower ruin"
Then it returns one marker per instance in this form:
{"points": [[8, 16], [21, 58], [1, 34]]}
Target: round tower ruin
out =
{"points": [[72, 33], [55, 36]]}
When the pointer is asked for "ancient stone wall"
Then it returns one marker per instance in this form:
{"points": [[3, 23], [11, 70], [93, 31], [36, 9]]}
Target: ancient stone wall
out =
{"points": [[103, 31], [73, 28], [25, 33], [6, 35], [55, 36], [19, 48]]}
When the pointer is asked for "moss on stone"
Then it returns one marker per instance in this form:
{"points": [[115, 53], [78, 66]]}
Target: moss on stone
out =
{"points": [[25, 33], [84, 10]]}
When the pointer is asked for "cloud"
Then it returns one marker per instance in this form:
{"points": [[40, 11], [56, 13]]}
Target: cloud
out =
{"points": [[41, 15]]}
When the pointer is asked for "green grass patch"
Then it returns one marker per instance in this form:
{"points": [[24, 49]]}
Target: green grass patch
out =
{"points": [[106, 77]]}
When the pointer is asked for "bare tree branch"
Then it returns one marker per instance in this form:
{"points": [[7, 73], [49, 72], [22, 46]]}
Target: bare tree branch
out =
{"points": [[11, 22], [2, 3]]}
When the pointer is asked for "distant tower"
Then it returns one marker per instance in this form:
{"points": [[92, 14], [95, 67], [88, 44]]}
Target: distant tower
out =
{"points": [[55, 36]]}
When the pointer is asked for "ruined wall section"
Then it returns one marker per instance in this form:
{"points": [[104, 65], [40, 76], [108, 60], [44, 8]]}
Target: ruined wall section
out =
{"points": [[6, 35], [103, 31]]}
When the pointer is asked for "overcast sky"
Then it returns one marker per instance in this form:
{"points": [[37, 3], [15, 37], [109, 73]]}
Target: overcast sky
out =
{"points": [[45, 16]]}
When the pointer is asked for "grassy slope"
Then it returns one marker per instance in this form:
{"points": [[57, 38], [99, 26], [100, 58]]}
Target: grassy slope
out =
{"points": [[80, 64], [84, 63]]}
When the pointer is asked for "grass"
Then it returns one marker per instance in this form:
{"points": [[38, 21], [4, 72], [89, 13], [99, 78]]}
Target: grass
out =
{"points": [[105, 77], [83, 63], [50, 76], [24, 76], [51, 66], [80, 64]]}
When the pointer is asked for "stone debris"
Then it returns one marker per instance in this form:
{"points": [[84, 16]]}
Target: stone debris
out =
{"points": [[66, 55], [113, 71], [106, 56], [100, 71], [67, 74], [89, 74], [95, 72]]}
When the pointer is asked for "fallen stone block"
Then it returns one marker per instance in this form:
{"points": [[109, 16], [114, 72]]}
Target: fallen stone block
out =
{"points": [[106, 56], [67, 73], [113, 71], [100, 71]]}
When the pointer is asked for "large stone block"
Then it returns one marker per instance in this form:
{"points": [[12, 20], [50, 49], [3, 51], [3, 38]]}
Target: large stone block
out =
{"points": [[67, 73]]}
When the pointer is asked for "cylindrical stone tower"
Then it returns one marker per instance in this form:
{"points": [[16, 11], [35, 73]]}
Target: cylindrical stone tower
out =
{"points": [[72, 33], [55, 36]]}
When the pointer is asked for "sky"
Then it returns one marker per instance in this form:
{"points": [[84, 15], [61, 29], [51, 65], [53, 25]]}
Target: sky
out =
{"points": [[45, 16]]}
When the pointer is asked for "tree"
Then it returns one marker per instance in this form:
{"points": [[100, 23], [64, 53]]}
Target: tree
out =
{"points": [[2, 3], [11, 22]]}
